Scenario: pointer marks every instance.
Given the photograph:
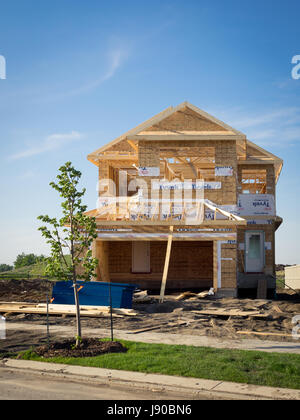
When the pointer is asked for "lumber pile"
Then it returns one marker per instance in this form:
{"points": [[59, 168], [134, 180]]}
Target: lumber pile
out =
{"points": [[55, 309]]}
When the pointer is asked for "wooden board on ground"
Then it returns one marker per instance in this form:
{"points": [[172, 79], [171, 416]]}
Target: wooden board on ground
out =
{"points": [[263, 333], [56, 309], [231, 312], [163, 324]]}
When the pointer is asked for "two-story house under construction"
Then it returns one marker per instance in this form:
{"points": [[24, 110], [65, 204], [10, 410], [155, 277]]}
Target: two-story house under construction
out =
{"points": [[186, 202]]}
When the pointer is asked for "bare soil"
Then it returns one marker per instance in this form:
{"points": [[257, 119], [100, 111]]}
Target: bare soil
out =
{"points": [[172, 316], [35, 291], [87, 348]]}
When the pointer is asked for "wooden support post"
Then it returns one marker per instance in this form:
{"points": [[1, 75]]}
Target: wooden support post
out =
{"points": [[101, 253], [215, 265], [166, 267]]}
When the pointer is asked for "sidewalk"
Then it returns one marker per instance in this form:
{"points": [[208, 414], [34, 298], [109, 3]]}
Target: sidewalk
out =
{"points": [[187, 387], [165, 338]]}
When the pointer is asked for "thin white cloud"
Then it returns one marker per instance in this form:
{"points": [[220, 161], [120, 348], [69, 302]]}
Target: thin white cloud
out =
{"points": [[110, 64], [116, 58], [265, 117], [49, 144], [278, 127]]}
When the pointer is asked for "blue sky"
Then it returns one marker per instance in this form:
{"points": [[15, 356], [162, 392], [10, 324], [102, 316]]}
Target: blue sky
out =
{"points": [[80, 73]]}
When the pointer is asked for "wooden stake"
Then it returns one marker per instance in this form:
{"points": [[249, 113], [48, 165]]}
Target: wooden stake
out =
{"points": [[166, 267]]}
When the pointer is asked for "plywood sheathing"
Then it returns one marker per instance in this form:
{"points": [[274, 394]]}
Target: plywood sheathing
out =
{"points": [[225, 155], [192, 117], [191, 265], [122, 146], [185, 120], [228, 266]]}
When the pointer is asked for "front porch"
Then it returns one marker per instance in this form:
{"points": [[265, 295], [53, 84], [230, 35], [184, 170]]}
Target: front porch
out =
{"points": [[168, 257]]}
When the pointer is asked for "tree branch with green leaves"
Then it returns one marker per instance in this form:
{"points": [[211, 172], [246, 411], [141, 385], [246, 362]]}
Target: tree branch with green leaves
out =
{"points": [[72, 234]]}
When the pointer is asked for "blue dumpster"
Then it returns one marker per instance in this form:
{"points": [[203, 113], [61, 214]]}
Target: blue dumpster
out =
{"points": [[94, 293]]}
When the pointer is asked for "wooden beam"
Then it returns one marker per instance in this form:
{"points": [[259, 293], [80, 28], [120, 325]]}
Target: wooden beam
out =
{"points": [[132, 158], [266, 161], [215, 265], [149, 222], [102, 249], [183, 137], [133, 145], [166, 266]]}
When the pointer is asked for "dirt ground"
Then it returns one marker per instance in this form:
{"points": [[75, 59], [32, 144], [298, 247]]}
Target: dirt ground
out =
{"points": [[172, 316]]}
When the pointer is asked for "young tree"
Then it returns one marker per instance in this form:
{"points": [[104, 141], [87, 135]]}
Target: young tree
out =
{"points": [[72, 234]]}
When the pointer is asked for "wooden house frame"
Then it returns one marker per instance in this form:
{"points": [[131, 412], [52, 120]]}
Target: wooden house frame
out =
{"points": [[225, 239]]}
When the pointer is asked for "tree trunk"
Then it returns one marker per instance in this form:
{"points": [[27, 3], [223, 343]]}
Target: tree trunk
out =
{"points": [[78, 321]]}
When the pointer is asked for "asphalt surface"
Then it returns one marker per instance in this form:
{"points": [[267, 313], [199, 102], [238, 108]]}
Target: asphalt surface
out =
{"points": [[20, 385]]}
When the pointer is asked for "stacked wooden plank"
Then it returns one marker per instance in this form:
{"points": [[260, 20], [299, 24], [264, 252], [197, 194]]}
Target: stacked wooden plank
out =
{"points": [[55, 309]]}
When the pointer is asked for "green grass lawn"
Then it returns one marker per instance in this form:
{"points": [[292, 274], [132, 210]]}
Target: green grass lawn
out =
{"points": [[251, 367], [280, 279]]}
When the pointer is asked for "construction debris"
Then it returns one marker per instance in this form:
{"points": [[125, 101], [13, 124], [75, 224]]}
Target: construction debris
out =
{"points": [[142, 297], [200, 295], [208, 316], [185, 295]]}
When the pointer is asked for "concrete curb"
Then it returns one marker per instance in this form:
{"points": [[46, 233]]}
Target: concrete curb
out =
{"points": [[187, 387]]}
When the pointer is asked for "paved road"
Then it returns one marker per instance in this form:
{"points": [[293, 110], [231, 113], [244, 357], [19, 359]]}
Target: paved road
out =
{"points": [[20, 385], [16, 385]]}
